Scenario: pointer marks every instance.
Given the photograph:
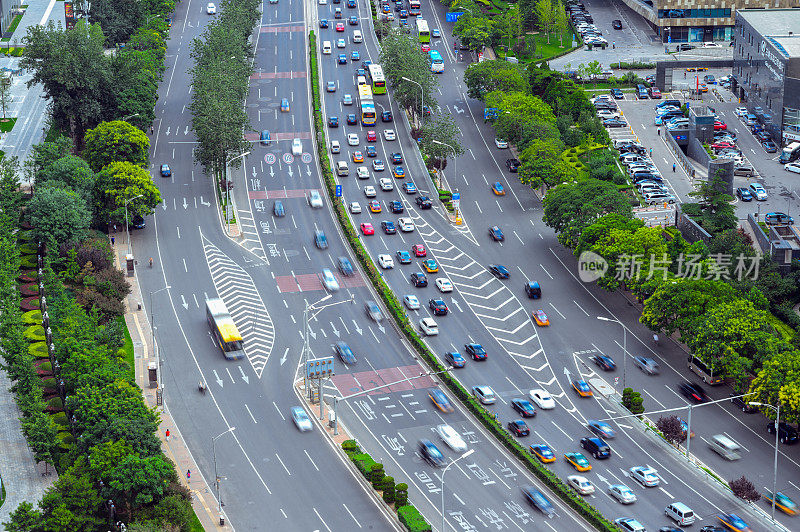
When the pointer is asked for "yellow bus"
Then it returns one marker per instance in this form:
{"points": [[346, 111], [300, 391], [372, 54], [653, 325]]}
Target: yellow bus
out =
{"points": [[368, 115], [226, 335]]}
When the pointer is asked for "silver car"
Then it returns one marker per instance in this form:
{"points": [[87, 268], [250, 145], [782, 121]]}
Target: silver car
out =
{"points": [[347, 100], [622, 493], [314, 199], [301, 419], [373, 311], [411, 302], [646, 364]]}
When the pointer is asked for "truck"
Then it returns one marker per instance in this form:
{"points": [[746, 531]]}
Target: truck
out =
{"points": [[226, 334], [790, 153]]}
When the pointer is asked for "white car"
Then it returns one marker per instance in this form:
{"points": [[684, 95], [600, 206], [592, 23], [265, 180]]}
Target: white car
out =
{"points": [[428, 326], [622, 493], [607, 113], [741, 111], [297, 147], [335, 147], [301, 419], [580, 484], [645, 475], [369, 191], [452, 438], [362, 172], [211, 9], [386, 262], [411, 302], [500, 143], [355, 207], [347, 100], [323, 2], [329, 280], [542, 399], [484, 394], [388, 134], [352, 139], [386, 184], [792, 167], [444, 285], [406, 224], [314, 199], [340, 43]]}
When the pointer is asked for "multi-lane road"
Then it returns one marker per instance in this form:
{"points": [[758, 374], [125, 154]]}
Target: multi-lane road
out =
{"points": [[264, 273]]}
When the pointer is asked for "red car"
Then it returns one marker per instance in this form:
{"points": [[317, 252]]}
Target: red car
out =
{"points": [[372, 136], [340, 26], [418, 250], [654, 93], [720, 126], [367, 228], [426, 48], [722, 144]]}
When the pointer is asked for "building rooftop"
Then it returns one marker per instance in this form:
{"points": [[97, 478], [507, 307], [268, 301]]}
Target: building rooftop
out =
{"points": [[780, 26]]}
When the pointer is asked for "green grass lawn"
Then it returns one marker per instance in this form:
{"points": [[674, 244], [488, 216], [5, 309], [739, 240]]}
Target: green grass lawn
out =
{"points": [[12, 27], [7, 124], [544, 51]]}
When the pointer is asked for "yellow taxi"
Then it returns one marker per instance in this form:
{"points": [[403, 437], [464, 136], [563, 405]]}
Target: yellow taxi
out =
{"points": [[543, 452], [430, 266], [581, 387], [540, 318], [578, 461], [375, 206], [358, 157]]}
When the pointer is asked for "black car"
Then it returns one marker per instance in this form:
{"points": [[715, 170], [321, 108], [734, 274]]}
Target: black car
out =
{"points": [[333, 121], [344, 352], [512, 165], [476, 351], [606, 363], [685, 46], [352, 120], [455, 359], [518, 428], [438, 307], [614, 122], [596, 447], [499, 271], [693, 392], [533, 290], [430, 453], [386, 116], [388, 227], [769, 146], [744, 194], [616, 94], [320, 240], [396, 158], [353, 20], [345, 266], [616, 24], [165, 170], [424, 202], [523, 407], [496, 233], [396, 207], [786, 433], [739, 402], [372, 151], [419, 280]]}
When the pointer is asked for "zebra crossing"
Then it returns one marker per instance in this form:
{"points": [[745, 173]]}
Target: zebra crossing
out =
{"points": [[237, 289], [249, 238]]}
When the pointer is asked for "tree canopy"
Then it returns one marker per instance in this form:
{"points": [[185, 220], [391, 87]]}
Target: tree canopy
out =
{"points": [[120, 182], [400, 59], [58, 215], [116, 141], [489, 76]]}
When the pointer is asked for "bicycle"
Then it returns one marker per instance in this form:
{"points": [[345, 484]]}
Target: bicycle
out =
{"points": [[151, 262]]}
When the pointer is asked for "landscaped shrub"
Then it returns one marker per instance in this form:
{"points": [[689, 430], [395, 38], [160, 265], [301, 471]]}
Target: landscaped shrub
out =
{"points": [[35, 333], [32, 317], [60, 418], [28, 262], [55, 404], [401, 494], [412, 519], [38, 349], [29, 289], [376, 475], [49, 383], [363, 462], [387, 487], [30, 303], [43, 367], [27, 249]]}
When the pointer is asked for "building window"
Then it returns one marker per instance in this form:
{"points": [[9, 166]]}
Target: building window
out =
{"points": [[694, 13]]}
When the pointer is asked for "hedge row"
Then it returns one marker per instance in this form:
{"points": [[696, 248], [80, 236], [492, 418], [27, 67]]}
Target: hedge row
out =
{"points": [[396, 309], [407, 514]]}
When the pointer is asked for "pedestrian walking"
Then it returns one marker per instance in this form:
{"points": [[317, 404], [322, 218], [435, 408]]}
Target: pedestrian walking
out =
{"points": [[152, 130], [112, 240], [651, 153], [188, 475], [115, 228], [613, 44], [659, 131], [673, 167], [684, 75], [167, 434]]}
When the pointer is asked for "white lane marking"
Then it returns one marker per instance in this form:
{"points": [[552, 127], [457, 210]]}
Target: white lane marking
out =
{"points": [[545, 270], [279, 411], [251, 414], [310, 460], [351, 515], [559, 312], [284, 465], [321, 519], [580, 307], [665, 492]]}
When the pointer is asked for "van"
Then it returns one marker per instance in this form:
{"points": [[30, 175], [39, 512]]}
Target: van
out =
{"points": [[641, 92], [682, 514], [342, 169], [725, 447], [790, 152], [326, 47], [357, 37], [361, 80]]}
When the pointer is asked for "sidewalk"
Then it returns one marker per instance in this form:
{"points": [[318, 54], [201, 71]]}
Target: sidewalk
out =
{"points": [[203, 500]]}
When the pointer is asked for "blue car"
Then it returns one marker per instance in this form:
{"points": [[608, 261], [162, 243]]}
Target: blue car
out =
{"points": [[323, 23], [538, 500], [410, 188], [354, 55], [333, 121], [342, 59], [403, 256], [496, 233], [352, 120]]}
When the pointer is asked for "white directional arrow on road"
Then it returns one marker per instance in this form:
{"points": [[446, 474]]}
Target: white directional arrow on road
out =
{"points": [[604, 480], [216, 376], [245, 378], [567, 373], [289, 171], [335, 331], [283, 358], [184, 304], [380, 327], [308, 170], [164, 205], [458, 109], [271, 172], [254, 171], [455, 302], [204, 203], [358, 329], [167, 131], [185, 205], [312, 333], [186, 131]]}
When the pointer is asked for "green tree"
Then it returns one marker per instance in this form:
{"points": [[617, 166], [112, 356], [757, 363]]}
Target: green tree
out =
{"points": [[400, 58], [5, 93], [510, 25], [40, 433], [569, 208], [58, 216], [519, 105], [120, 182], [777, 381], [545, 16], [476, 32], [542, 164], [560, 22], [527, 11], [443, 130], [23, 519], [69, 171], [488, 76], [115, 141], [74, 71], [45, 153], [118, 18], [714, 208]]}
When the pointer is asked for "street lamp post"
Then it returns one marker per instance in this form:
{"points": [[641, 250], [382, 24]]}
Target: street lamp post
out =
{"points": [[124, 118], [216, 476], [624, 347], [153, 336], [445, 471], [775, 463], [127, 230], [227, 187], [421, 97]]}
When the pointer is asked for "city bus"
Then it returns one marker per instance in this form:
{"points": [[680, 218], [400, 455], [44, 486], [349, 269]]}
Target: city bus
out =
{"points": [[225, 333], [708, 375], [414, 8], [377, 79], [422, 30], [368, 115], [437, 63]]}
